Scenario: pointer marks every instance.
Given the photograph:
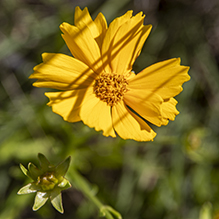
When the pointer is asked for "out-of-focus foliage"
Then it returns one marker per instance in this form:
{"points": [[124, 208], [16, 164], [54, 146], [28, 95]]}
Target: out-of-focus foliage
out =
{"points": [[176, 176]]}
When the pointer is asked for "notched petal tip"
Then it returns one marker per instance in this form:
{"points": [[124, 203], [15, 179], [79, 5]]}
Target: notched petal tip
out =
{"points": [[129, 13], [82, 16], [63, 26], [149, 27], [139, 15], [185, 68], [169, 111], [178, 60], [77, 8]]}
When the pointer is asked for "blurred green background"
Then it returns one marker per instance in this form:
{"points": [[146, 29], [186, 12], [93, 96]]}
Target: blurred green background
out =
{"points": [[174, 177]]}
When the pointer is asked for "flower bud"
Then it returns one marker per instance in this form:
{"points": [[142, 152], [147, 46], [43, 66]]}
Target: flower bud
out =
{"points": [[48, 182]]}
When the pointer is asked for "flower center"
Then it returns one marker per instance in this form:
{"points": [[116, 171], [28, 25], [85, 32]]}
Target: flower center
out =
{"points": [[110, 88], [47, 181]]}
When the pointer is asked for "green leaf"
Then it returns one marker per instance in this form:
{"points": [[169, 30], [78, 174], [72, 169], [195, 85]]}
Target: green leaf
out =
{"points": [[44, 163], [62, 168], [25, 171], [40, 200], [65, 184], [56, 200], [34, 171], [29, 188]]}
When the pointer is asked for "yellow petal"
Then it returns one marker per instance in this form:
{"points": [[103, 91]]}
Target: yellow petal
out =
{"points": [[128, 127], [67, 104], [146, 104], [144, 126], [82, 46], [97, 27], [97, 114], [62, 72], [127, 43], [101, 24], [169, 111], [138, 43], [110, 33], [82, 19], [164, 78]]}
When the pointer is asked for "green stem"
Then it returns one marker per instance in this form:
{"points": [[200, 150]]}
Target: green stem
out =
{"points": [[83, 185]]}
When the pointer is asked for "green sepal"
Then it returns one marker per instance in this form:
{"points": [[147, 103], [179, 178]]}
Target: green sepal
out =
{"points": [[65, 184], [34, 171], [44, 163], [40, 200], [56, 200], [29, 188], [62, 168], [25, 171]]}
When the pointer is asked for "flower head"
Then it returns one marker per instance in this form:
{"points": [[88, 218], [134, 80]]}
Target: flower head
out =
{"points": [[97, 85], [48, 182]]}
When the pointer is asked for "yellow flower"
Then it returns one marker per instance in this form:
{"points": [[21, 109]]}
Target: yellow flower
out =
{"points": [[98, 85]]}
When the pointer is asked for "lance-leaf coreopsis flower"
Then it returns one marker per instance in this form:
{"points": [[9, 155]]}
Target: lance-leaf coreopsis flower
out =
{"points": [[97, 85], [48, 182]]}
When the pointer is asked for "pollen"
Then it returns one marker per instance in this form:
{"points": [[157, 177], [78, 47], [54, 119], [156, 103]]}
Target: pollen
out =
{"points": [[110, 87]]}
